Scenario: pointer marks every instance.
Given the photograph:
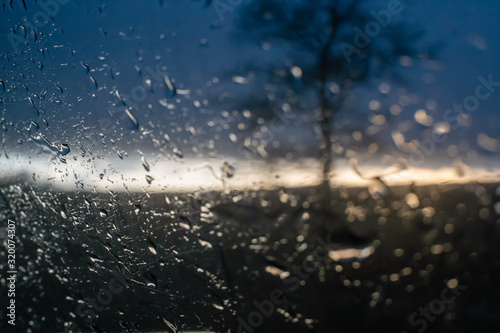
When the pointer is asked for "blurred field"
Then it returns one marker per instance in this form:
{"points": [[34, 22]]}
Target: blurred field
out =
{"points": [[198, 261]]}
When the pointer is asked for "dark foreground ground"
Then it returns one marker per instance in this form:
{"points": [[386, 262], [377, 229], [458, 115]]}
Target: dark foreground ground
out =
{"points": [[254, 261]]}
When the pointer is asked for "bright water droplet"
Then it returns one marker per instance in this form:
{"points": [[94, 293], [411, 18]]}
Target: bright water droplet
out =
{"points": [[103, 213], [412, 200], [119, 97], [133, 119], [205, 243], [151, 280], [218, 307], [152, 247]]}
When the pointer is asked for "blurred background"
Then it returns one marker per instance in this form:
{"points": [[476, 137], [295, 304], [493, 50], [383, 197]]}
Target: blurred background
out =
{"points": [[196, 151], [212, 83]]}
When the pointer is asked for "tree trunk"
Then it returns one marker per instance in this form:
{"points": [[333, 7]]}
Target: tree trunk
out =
{"points": [[326, 112], [326, 157], [326, 145]]}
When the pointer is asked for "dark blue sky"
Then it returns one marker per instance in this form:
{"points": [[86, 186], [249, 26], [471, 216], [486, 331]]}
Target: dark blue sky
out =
{"points": [[123, 42]]}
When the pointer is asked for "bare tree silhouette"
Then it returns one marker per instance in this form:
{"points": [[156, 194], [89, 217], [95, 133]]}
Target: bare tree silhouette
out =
{"points": [[333, 45]]}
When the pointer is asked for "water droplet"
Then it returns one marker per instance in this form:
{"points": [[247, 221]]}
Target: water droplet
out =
{"points": [[170, 325], [137, 209], [145, 164], [34, 124], [227, 170], [34, 107], [149, 179], [170, 87], [103, 213], [93, 81], [240, 79], [152, 247], [60, 150], [423, 118], [178, 152], [86, 66], [119, 97], [218, 307], [205, 243], [133, 119], [412, 200], [64, 149], [151, 280]]}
